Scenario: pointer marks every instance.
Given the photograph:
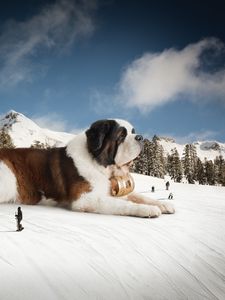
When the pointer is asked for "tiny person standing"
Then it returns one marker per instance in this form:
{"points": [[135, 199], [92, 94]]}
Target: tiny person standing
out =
{"points": [[167, 185], [19, 217]]}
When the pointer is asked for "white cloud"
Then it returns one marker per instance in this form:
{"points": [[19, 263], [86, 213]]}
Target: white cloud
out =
{"points": [[57, 26], [159, 78], [77, 130], [55, 122], [51, 121]]}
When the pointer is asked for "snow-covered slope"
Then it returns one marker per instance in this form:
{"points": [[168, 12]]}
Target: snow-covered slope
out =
{"points": [[206, 149], [67, 255], [24, 132]]}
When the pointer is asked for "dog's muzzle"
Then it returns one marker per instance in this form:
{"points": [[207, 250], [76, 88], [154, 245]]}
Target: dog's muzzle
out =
{"points": [[121, 185]]}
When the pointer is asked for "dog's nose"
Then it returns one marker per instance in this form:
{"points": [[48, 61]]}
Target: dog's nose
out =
{"points": [[139, 138]]}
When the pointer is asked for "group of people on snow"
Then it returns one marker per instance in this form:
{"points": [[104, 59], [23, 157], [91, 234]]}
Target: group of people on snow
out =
{"points": [[170, 197], [19, 214]]}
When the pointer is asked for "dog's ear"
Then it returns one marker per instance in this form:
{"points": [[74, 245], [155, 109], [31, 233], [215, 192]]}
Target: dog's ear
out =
{"points": [[97, 133]]}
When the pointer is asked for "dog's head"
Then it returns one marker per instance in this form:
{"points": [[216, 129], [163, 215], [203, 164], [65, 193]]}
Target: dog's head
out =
{"points": [[113, 142]]}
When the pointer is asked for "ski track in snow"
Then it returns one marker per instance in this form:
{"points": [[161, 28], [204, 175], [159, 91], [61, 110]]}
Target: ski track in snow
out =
{"points": [[66, 255]]}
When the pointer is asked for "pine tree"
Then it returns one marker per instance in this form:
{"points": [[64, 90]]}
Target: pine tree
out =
{"points": [[216, 173], [190, 162], [37, 145], [174, 166], [186, 160], [151, 161], [155, 138], [169, 164], [219, 165], [5, 140], [141, 162], [157, 164], [194, 159], [222, 180], [200, 172], [209, 172]]}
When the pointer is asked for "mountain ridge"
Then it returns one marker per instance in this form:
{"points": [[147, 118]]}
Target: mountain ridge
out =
{"points": [[204, 149], [24, 132]]}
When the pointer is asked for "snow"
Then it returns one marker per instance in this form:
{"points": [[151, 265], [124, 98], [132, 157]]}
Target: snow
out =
{"points": [[169, 145], [210, 149], [67, 255], [24, 132], [206, 149]]}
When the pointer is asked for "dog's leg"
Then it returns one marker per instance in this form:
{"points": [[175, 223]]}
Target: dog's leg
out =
{"points": [[166, 208], [113, 206], [8, 184]]}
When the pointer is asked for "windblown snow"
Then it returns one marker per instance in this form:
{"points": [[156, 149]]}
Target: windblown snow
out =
{"points": [[67, 255]]}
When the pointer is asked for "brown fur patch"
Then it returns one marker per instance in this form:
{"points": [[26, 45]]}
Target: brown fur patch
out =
{"points": [[40, 172]]}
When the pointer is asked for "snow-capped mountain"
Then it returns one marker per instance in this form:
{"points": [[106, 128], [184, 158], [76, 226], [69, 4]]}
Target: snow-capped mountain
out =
{"points": [[24, 132], [205, 149]]}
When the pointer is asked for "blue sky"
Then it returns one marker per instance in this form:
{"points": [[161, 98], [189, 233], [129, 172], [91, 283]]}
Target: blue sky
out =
{"points": [[159, 64]]}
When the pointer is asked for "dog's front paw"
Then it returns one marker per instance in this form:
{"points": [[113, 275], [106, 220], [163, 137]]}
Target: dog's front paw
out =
{"points": [[154, 211], [149, 211], [167, 208]]}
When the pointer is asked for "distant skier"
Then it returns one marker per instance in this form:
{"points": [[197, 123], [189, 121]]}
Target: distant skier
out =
{"points": [[167, 185], [170, 197], [153, 189], [19, 217]]}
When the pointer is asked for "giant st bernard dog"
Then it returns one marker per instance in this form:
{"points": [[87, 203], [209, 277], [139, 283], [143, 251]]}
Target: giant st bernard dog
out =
{"points": [[81, 175]]}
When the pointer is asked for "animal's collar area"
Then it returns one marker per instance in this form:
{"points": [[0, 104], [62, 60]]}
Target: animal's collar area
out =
{"points": [[121, 185]]}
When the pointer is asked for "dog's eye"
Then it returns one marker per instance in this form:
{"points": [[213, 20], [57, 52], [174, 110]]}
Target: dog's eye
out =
{"points": [[123, 135], [133, 130]]}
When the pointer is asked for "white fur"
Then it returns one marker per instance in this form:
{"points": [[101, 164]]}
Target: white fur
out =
{"points": [[165, 207], [130, 148], [8, 184], [101, 204], [125, 124], [99, 199], [89, 168], [47, 202]]}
